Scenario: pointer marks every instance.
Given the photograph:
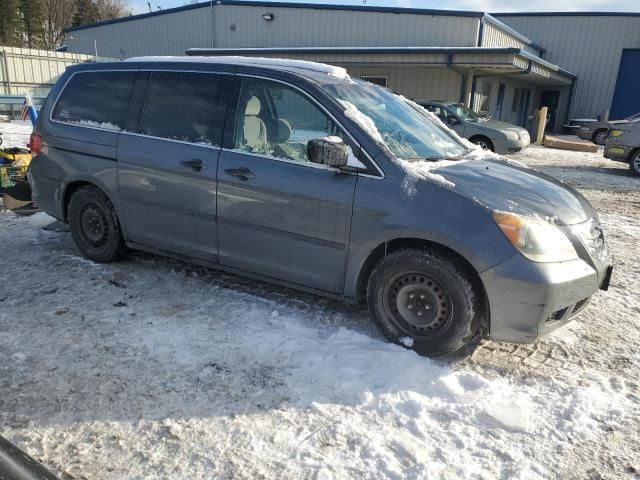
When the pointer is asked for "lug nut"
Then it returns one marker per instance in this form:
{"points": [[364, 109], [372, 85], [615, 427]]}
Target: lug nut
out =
{"points": [[412, 295], [422, 296], [420, 313], [410, 306]]}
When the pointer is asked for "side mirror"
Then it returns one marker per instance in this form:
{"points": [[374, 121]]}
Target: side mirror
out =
{"points": [[333, 152], [452, 120]]}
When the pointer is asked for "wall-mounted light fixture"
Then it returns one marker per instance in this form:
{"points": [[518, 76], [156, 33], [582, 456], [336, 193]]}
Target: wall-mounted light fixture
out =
{"points": [[268, 16]]}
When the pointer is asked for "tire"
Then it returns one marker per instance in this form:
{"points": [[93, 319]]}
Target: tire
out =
{"points": [[94, 226], [442, 290], [482, 142], [634, 162], [599, 136]]}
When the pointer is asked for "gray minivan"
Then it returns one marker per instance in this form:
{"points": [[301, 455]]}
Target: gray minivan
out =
{"points": [[298, 174]]}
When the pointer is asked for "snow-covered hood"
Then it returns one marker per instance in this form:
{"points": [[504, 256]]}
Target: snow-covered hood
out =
{"points": [[502, 186]]}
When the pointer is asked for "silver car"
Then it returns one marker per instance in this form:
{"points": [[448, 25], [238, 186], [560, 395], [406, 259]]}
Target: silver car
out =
{"points": [[296, 173], [597, 132], [499, 137]]}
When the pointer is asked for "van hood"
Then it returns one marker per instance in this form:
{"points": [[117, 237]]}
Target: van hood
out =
{"points": [[500, 185]]}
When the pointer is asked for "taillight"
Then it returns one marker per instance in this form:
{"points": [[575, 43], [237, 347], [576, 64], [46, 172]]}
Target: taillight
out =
{"points": [[35, 144]]}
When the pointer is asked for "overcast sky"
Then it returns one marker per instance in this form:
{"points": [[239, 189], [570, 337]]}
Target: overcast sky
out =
{"points": [[140, 6]]}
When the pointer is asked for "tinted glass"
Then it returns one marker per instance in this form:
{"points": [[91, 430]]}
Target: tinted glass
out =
{"points": [[96, 99], [189, 107], [274, 119]]}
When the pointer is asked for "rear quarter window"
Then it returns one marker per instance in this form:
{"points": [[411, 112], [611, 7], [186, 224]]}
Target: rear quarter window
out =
{"points": [[95, 99]]}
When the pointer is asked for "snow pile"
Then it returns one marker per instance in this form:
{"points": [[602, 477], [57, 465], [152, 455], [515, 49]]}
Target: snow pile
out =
{"points": [[94, 124]]}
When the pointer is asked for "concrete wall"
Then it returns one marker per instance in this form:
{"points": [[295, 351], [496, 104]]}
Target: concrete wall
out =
{"points": [[588, 45]]}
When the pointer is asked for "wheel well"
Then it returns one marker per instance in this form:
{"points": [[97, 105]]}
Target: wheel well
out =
{"points": [[386, 248], [72, 188], [633, 153], [484, 137]]}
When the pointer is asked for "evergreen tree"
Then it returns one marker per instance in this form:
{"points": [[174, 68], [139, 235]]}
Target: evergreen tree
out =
{"points": [[32, 13], [10, 28], [86, 12]]}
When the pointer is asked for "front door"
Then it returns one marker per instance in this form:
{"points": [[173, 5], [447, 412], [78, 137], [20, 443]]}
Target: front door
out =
{"points": [[551, 100], [167, 164], [279, 215]]}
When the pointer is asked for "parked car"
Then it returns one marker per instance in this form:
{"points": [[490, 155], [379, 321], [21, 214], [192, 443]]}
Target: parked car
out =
{"points": [[499, 137], [597, 131], [623, 144], [295, 173]]}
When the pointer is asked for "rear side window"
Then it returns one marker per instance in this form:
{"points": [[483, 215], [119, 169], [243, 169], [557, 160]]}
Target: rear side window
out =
{"points": [[185, 106], [95, 99]]}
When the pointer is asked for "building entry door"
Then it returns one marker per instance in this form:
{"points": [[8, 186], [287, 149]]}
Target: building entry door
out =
{"points": [[551, 100]]}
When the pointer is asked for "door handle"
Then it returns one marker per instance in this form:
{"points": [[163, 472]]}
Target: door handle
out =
{"points": [[243, 173], [196, 164]]}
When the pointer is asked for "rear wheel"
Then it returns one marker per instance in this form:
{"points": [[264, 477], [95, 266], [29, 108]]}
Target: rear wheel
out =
{"points": [[599, 136], [423, 301], [94, 226], [634, 162], [482, 142]]}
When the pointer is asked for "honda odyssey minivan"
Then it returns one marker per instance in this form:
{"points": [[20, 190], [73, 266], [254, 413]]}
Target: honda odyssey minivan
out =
{"points": [[296, 173]]}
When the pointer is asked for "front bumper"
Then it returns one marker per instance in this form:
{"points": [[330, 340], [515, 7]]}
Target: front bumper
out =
{"points": [[504, 145], [528, 299], [619, 153]]}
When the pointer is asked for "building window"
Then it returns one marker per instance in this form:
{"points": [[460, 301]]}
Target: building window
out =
{"points": [[377, 79]]}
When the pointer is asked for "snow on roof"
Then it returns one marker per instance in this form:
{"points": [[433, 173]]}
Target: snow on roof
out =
{"points": [[337, 72]]}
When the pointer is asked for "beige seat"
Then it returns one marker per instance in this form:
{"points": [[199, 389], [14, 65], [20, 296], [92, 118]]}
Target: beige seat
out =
{"points": [[254, 129]]}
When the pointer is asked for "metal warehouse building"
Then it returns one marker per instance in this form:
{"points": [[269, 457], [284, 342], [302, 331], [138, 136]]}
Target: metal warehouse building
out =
{"points": [[487, 62]]}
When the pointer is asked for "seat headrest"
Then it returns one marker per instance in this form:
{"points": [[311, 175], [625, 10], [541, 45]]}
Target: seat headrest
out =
{"points": [[253, 107]]}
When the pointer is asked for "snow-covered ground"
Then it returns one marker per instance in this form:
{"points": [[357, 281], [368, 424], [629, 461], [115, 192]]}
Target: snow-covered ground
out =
{"points": [[152, 368]]}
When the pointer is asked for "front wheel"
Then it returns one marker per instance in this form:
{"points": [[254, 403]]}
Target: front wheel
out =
{"points": [[483, 142], [424, 301], [634, 163]]}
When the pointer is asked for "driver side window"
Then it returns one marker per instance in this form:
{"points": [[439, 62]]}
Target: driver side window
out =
{"points": [[276, 120]]}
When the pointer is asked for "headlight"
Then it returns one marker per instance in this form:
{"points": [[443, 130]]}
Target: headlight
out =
{"points": [[536, 239], [617, 133], [511, 135]]}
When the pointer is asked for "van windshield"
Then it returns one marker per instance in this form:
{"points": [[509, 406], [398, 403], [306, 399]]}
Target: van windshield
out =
{"points": [[408, 132]]}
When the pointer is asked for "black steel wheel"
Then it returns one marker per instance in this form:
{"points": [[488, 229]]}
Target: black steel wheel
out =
{"points": [[94, 225], [418, 303], [425, 301]]}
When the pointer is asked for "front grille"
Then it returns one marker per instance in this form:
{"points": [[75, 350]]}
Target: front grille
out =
{"points": [[591, 234], [579, 306], [557, 315]]}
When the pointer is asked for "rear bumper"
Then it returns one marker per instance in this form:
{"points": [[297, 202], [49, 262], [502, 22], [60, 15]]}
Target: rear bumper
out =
{"points": [[528, 300], [46, 193], [584, 134]]}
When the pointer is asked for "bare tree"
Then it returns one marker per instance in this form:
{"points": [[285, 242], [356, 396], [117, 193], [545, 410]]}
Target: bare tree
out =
{"points": [[58, 15]]}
